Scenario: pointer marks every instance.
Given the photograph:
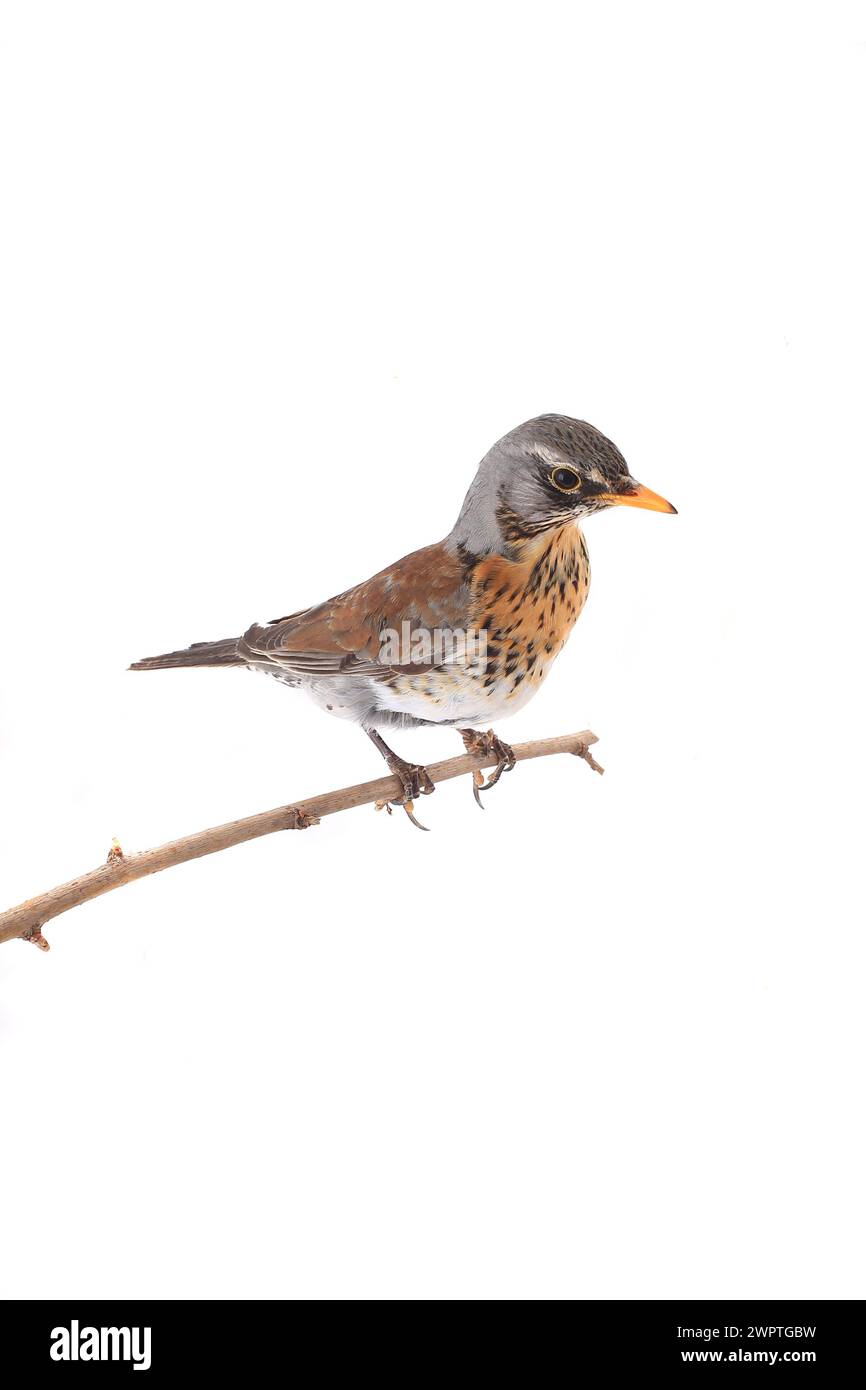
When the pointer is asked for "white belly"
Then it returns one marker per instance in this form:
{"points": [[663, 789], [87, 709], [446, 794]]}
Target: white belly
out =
{"points": [[452, 697]]}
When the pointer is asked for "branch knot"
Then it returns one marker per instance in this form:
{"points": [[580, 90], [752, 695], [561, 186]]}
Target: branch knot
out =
{"points": [[34, 934], [583, 752]]}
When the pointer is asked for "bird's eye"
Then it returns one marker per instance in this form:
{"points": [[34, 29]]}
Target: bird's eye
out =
{"points": [[565, 479]]}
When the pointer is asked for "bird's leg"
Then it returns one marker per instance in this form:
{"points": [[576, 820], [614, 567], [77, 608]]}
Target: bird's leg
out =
{"points": [[416, 780], [490, 744]]}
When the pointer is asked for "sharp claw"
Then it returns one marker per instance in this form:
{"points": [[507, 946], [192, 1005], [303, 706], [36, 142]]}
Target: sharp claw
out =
{"points": [[477, 784], [409, 808]]}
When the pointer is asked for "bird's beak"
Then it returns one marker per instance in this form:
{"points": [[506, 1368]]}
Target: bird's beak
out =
{"points": [[636, 495]]}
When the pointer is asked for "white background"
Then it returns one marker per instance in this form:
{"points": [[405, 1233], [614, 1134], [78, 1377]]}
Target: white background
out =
{"points": [[274, 279]]}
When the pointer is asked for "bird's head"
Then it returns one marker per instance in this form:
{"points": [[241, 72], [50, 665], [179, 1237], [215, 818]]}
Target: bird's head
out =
{"points": [[547, 472]]}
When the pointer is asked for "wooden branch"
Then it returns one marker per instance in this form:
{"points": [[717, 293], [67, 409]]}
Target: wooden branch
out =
{"points": [[27, 920]]}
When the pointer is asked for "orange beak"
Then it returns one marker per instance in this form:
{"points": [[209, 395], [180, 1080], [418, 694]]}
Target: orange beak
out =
{"points": [[640, 496]]}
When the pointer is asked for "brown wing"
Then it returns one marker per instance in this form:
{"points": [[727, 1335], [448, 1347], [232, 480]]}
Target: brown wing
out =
{"points": [[426, 589]]}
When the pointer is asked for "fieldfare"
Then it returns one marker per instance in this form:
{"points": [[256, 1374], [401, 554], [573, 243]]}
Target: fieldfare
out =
{"points": [[462, 632]]}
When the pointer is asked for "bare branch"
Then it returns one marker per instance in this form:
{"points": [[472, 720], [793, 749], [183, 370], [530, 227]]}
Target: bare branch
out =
{"points": [[27, 920]]}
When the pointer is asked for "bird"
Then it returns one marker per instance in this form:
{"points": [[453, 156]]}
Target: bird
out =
{"points": [[463, 632]]}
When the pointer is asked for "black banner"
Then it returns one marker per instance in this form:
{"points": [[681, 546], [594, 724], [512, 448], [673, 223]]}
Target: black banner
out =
{"points": [[147, 1339]]}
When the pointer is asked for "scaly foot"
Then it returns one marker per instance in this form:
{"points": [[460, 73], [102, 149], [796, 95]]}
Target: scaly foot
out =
{"points": [[491, 745], [414, 779]]}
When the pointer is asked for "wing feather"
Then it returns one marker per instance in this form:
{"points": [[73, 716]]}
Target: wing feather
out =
{"points": [[427, 590]]}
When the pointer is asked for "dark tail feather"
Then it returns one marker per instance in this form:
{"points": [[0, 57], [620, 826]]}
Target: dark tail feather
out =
{"points": [[199, 654]]}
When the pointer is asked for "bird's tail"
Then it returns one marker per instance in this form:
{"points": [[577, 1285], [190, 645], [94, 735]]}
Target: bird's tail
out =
{"points": [[199, 654]]}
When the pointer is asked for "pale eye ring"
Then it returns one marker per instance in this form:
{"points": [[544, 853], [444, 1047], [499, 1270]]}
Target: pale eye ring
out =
{"points": [[565, 479]]}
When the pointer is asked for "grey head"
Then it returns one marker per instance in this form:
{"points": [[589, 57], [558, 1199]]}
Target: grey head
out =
{"points": [[544, 474]]}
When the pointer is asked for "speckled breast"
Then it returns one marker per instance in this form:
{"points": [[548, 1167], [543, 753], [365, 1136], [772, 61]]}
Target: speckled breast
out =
{"points": [[528, 606]]}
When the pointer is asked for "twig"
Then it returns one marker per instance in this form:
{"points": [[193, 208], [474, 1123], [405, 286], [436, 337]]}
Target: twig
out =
{"points": [[27, 920], [587, 757]]}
